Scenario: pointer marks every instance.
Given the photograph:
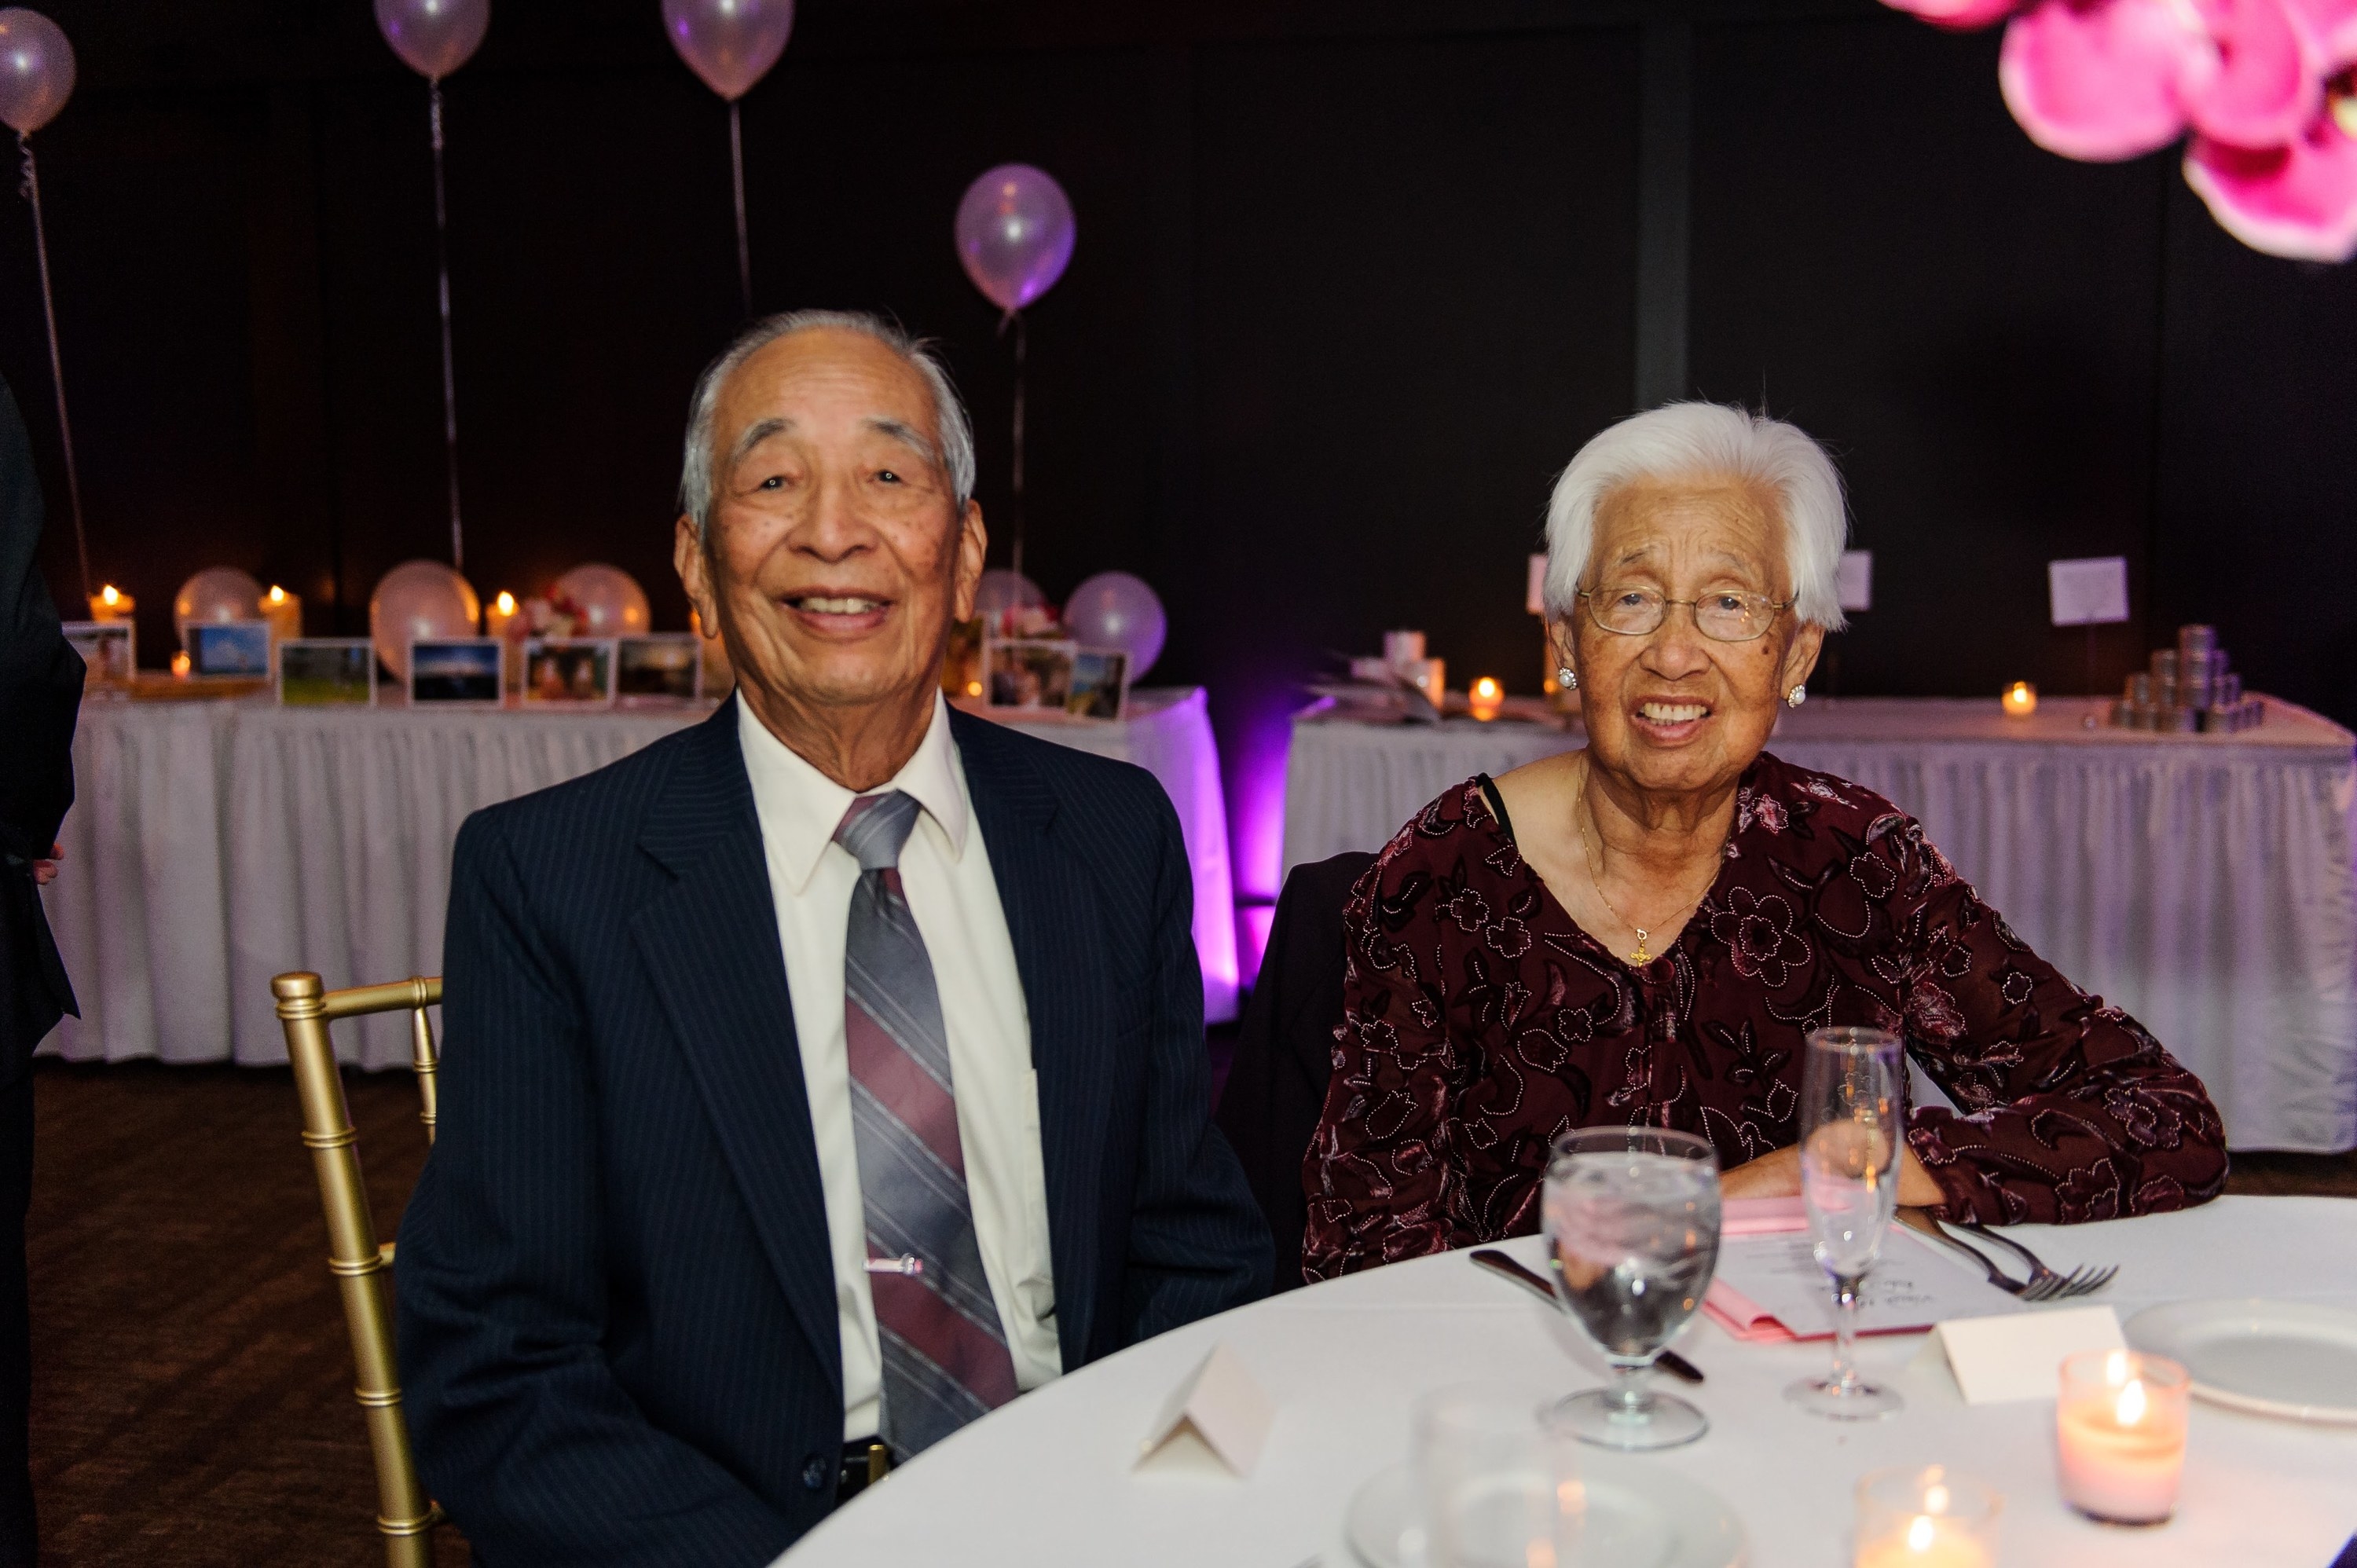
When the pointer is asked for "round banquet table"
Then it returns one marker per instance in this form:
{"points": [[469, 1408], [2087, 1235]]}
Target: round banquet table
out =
{"points": [[2201, 882], [216, 843], [1047, 1480]]}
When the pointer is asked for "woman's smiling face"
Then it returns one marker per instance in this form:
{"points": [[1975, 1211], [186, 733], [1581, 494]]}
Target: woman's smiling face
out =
{"points": [[1673, 711]]}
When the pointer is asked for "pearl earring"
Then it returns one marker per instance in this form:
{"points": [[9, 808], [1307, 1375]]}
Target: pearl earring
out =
{"points": [[1796, 696], [1568, 676]]}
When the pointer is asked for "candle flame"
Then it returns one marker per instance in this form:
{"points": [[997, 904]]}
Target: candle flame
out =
{"points": [[505, 603], [2131, 1407], [973, 688], [277, 595], [2115, 1368], [1920, 1533], [1486, 689], [180, 664], [109, 595]]}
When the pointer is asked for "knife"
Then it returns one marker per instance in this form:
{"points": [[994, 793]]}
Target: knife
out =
{"points": [[1535, 1282]]}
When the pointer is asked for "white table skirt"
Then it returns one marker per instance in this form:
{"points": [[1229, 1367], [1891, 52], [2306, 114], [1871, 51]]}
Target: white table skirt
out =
{"points": [[1046, 1481], [2201, 882], [214, 844]]}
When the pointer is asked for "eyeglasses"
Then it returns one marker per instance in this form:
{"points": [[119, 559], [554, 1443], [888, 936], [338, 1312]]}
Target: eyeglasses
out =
{"points": [[1722, 618]]}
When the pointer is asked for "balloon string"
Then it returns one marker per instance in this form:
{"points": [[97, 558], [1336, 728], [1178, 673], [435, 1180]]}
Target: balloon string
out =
{"points": [[31, 189], [744, 249], [449, 376], [1017, 316]]}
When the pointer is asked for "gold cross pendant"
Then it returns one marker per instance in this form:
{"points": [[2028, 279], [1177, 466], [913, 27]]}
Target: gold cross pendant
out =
{"points": [[1641, 957]]}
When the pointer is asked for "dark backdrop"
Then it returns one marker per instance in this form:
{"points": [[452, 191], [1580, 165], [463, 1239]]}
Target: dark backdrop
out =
{"points": [[1355, 278]]}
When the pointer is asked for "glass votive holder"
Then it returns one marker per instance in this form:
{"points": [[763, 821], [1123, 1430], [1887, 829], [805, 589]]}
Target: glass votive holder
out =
{"points": [[2119, 1434], [1485, 697], [1933, 1518], [1495, 1485], [2020, 698]]}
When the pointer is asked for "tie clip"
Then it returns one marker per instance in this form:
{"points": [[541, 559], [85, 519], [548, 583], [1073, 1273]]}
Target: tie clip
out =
{"points": [[910, 1266]]}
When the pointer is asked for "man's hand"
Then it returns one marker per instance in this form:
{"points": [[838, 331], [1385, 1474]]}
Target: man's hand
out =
{"points": [[1778, 1175], [46, 871]]}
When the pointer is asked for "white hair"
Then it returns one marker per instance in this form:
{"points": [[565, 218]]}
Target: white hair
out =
{"points": [[1698, 440], [955, 453]]}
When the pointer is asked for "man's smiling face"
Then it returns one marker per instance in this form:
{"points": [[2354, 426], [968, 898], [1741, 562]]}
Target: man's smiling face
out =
{"points": [[838, 554]]}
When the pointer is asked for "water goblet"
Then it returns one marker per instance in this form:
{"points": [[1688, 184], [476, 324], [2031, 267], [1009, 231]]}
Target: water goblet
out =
{"points": [[1631, 1221], [1852, 1126], [1494, 1487]]}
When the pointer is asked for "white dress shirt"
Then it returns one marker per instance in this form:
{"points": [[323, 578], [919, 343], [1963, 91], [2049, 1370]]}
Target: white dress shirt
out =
{"points": [[945, 872]]}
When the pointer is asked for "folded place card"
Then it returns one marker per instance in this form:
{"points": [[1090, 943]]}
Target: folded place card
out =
{"points": [[2016, 1357], [1220, 1408]]}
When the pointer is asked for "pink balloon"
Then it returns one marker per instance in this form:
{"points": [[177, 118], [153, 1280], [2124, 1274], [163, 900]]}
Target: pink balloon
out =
{"points": [[608, 597], [1957, 16], [731, 44], [37, 70], [1113, 609], [419, 599], [2298, 200], [433, 38], [1015, 234], [2101, 80], [1001, 590], [215, 594]]}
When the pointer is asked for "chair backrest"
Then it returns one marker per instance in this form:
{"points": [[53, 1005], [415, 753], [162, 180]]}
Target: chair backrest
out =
{"points": [[405, 1516], [1284, 1048]]}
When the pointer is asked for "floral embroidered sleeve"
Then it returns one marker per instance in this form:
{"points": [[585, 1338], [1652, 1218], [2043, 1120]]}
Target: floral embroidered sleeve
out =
{"points": [[1376, 1190], [2068, 1111]]}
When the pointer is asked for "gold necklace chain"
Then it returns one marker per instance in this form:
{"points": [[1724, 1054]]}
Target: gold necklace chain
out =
{"points": [[1595, 860]]}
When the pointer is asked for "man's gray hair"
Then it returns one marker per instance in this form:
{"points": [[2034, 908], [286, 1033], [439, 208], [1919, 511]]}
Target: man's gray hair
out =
{"points": [[1706, 440], [956, 434]]}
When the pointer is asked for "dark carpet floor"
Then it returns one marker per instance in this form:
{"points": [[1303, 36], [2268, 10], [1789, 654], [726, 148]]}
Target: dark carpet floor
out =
{"points": [[192, 1384]]}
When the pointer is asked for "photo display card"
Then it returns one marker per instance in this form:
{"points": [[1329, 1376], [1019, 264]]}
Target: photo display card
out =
{"points": [[455, 671], [662, 670], [108, 649], [1100, 684], [327, 673], [228, 650], [1029, 674], [568, 671]]}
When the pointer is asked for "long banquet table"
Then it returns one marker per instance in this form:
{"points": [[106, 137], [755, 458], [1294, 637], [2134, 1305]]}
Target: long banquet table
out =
{"points": [[2202, 882], [215, 843], [1047, 1481]]}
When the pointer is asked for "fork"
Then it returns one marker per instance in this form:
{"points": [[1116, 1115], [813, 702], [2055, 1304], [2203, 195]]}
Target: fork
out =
{"points": [[1928, 1227], [2044, 1284]]}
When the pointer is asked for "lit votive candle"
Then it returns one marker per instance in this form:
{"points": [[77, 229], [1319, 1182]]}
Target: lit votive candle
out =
{"points": [[2119, 1433], [2021, 699], [1932, 1518], [1485, 698], [110, 603], [180, 666], [284, 611]]}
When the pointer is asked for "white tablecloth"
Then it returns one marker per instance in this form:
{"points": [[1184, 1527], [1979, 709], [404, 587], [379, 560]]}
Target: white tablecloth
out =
{"points": [[213, 844], [1046, 1481], [2201, 882]]}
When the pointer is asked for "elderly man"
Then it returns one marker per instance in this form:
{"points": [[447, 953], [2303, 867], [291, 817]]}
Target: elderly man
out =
{"points": [[822, 1077]]}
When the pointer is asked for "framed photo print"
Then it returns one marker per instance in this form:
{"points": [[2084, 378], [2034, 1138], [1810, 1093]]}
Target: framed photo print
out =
{"points": [[455, 671], [568, 671], [1100, 684], [661, 671], [106, 648], [327, 673], [231, 650], [1028, 673]]}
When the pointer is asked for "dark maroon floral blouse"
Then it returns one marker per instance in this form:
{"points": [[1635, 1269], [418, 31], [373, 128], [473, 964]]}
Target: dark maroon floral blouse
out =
{"points": [[1480, 1023]]}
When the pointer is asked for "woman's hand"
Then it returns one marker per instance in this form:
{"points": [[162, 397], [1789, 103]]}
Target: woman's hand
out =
{"points": [[1778, 1175]]}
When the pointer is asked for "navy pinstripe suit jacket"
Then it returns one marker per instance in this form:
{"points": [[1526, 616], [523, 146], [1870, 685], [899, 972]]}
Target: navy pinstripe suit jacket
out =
{"points": [[617, 1314]]}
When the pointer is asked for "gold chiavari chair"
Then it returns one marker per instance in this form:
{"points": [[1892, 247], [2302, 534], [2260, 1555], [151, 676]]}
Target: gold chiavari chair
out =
{"points": [[405, 1515]]}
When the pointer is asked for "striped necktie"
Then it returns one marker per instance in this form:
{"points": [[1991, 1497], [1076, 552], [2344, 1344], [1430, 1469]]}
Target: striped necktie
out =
{"points": [[945, 1358]]}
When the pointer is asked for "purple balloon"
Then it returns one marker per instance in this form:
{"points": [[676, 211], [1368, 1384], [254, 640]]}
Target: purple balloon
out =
{"points": [[1113, 609], [433, 38], [37, 70], [1015, 234], [731, 44]]}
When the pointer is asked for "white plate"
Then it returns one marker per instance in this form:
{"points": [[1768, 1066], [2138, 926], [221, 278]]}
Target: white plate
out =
{"points": [[1639, 1515], [2291, 1359]]}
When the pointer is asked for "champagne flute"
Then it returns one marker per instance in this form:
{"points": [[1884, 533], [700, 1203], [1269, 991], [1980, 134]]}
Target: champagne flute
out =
{"points": [[1631, 1219], [1852, 1124]]}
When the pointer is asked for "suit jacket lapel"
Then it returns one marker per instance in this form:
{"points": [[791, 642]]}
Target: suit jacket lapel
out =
{"points": [[710, 942], [1050, 902]]}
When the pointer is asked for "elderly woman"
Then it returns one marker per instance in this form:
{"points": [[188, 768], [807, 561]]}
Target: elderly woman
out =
{"points": [[1645, 930]]}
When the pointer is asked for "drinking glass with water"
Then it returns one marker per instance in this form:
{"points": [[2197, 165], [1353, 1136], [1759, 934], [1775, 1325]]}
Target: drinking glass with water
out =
{"points": [[1631, 1221]]}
